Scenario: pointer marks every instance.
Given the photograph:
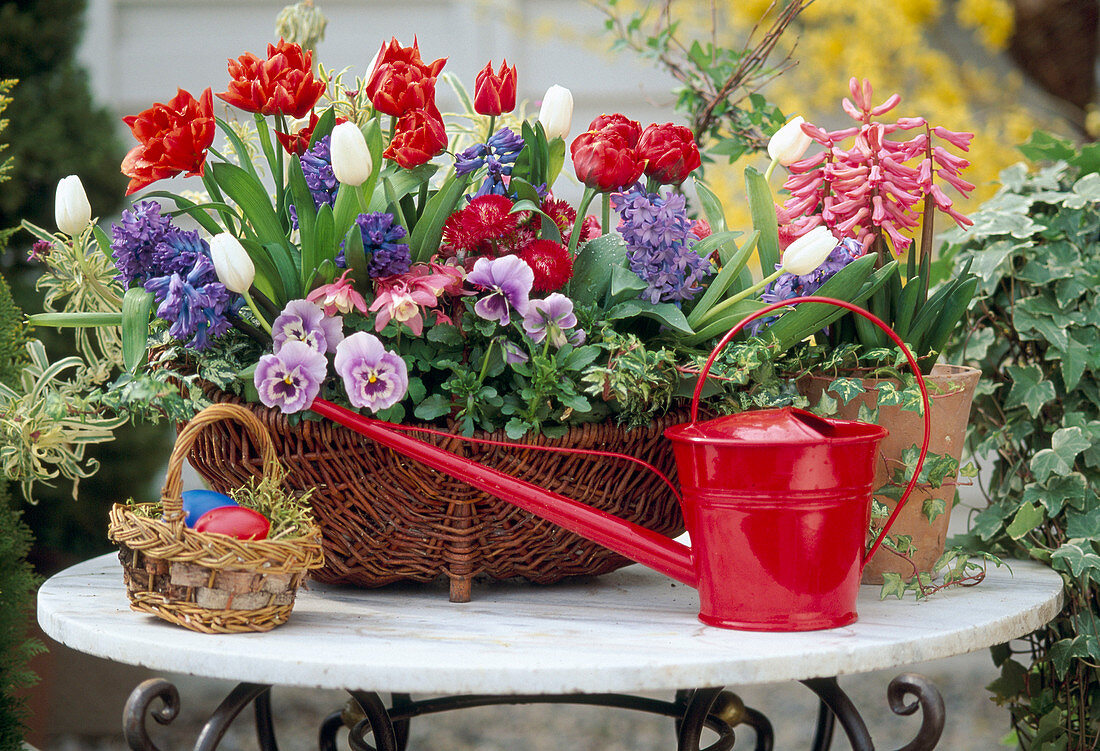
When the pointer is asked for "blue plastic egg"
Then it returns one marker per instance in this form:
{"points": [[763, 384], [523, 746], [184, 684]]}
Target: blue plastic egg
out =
{"points": [[198, 502]]}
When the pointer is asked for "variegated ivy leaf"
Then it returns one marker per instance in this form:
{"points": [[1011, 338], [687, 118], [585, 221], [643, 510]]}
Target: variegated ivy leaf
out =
{"points": [[1027, 518], [1029, 388], [1066, 444], [1077, 557], [847, 388]]}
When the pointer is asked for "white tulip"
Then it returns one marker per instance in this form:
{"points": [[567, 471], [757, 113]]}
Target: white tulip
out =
{"points": [[72, 212], [351, 161], [231, 263], [556, 113], [789, 143], [809, 251]]}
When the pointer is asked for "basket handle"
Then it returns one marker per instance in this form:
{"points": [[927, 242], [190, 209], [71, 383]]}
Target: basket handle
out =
{"points": [[925, 403], [172, 494]]}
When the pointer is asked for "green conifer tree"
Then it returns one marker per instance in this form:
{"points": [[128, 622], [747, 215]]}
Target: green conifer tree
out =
{"points": [[56, 129], [17, 579]]}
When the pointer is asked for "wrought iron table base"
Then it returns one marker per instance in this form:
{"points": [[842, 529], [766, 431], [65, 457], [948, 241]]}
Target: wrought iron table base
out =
{"points": [[693, 710]]}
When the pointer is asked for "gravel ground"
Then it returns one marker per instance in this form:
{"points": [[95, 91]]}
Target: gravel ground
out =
{"points": [[973, 721]]}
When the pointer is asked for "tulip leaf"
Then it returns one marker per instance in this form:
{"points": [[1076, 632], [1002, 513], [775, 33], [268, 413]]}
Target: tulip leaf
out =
{"points": [[712, 207], [664, 312], [346, 210], [549, 229], [75, 320], [267, 280], [307, 216], [425, 238], [625, 285], [191, 208], [592, 268], [239, 148], [288, 270], [401, 183], [325, 240], [325, 123], [356, 258], [762, 209], [137, 305], [102, 241], [729, 318], [715, 291], [556, 150], [250, 195]]}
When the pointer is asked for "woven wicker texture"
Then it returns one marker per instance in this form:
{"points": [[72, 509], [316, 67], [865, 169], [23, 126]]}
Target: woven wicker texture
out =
{"points": [[385, 519], [204, 581]]}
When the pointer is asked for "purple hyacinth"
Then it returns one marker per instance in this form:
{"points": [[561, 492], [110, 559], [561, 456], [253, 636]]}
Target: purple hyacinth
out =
{"points": [[320, 179], [195, 304], [659, 242], [134, 242], [304, 321], [291, 378], [553, 317], [497, 155], [178, 250], [385, 255], [374, 378], [508, 280]]}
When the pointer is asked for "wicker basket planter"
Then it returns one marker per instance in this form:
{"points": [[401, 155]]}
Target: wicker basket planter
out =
{"points": [[384, 519], [204, 581]]}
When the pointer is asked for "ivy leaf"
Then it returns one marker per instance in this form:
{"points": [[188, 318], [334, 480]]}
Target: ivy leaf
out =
{"points": [[1077, 557], [933, 507], [1066, 444], [1029, 388], [847, 388], [892, 585], [1085, 525], [1028, 517]]}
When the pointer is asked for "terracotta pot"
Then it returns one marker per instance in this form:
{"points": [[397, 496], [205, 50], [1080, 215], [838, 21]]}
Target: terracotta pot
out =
{"points": [[952, 390]]}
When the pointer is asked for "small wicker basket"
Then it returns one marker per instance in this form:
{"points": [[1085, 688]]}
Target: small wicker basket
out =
{"points": [[210, 582]]}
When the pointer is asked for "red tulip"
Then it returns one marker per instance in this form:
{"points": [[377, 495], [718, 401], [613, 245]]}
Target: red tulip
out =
{"points": [[420, 135], [281, 84], [669, 153], [604, 160], [172, 138], [629, 129], [399, 68], [495, 94]]}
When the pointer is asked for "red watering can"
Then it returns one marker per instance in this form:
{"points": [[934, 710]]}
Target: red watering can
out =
{"points": [[777, 503]]}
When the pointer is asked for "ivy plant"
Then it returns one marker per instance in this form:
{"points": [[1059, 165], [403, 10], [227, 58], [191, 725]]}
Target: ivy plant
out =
{"points": [[1036, 422]]}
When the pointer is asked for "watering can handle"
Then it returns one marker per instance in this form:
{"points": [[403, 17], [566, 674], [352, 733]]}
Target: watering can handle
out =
{"points": [[926, 405]]}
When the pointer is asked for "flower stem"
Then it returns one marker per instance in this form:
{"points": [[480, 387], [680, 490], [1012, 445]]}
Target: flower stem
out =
{"points": [[582, 207], [485, 362], [247, 328], [256, 311], [732, 299], [768, 172], [492, 124], [606, 212]]}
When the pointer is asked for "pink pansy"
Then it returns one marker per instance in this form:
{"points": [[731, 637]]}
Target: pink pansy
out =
{"points": [[338, 297], [400, 297]]}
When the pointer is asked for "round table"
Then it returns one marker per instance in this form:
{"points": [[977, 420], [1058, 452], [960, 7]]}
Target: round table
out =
{"points": [[586, 640]]}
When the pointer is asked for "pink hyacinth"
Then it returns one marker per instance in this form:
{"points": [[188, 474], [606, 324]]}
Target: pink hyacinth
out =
{"points": [[401, 297], [339, 296], [871, 189]]}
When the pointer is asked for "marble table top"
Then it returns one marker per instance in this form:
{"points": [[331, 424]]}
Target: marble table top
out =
{"points": [[632, 630]]}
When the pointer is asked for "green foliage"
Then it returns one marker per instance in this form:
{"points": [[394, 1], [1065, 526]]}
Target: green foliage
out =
{"points": [[18, 584], [56, 129], [1035, 249], [718, 85]]}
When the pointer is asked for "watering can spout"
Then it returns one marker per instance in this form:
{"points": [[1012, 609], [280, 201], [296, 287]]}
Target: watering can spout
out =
{"points": [[626, 538]]}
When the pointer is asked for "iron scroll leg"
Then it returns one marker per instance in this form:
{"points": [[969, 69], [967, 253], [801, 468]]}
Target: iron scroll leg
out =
{"points": [[141, 700], [927, 698]]}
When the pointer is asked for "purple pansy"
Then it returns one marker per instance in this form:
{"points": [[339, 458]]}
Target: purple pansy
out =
{"points": [[552, 317], [659, 242], [373, 377], [508, 280], [304, 321], [513, 353], [291, 378], [196, 304]]}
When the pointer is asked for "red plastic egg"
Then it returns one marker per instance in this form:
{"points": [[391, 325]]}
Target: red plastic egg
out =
{"points": [[235, 521]]}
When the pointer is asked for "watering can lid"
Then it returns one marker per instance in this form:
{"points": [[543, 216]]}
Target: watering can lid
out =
{"points": [[788, 425]]}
